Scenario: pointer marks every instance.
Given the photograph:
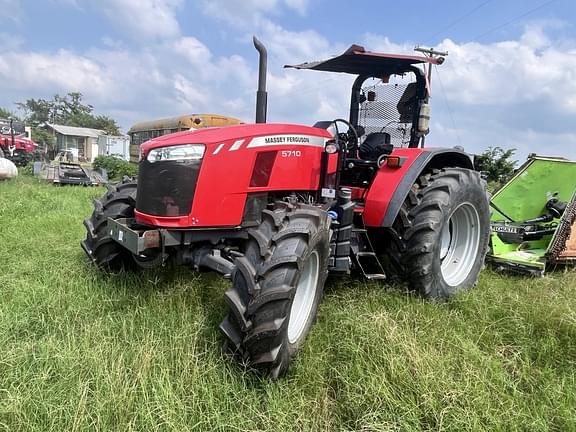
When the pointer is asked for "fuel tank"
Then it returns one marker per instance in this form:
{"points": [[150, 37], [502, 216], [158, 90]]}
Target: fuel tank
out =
{"points": [[202, 178]]}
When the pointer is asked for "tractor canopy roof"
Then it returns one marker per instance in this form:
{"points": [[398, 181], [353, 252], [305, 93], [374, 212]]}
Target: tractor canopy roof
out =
{"points": [[356, 60]]}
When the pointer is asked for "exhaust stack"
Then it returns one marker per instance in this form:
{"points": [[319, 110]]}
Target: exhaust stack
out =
{"points": [[261, 95]]}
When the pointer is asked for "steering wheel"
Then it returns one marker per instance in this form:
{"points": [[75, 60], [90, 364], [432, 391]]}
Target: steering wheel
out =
{"points": [[345, 141], [348, 140]]}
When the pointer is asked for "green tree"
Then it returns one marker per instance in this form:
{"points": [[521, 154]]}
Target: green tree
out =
{"points": [[6, 114], [67, 110], [43, 137], [496, 164]]}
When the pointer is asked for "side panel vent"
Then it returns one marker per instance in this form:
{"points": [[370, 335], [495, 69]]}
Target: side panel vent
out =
{"points": [[263, 168]]}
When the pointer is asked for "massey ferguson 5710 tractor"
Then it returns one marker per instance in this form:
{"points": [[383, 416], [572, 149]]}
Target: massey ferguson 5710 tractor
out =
{"points": [[279, 207]]}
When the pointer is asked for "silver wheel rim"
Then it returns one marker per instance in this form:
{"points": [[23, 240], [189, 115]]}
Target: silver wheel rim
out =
{"points": [[459, 241], [304, 298]]}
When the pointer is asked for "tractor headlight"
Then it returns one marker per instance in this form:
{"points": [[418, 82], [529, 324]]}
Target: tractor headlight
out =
{"points": [[177, 153]]}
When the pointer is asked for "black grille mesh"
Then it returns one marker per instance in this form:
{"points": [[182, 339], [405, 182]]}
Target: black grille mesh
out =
{"points": [[166, 188], [382, 114]]}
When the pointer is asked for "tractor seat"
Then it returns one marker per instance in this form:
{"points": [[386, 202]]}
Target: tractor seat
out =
{"points": [[375, 145]]}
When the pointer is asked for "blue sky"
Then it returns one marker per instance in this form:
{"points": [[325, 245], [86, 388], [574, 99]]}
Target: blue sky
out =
{"points": [[509, 80]]}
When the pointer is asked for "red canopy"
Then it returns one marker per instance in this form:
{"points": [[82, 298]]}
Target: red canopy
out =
{"points": [[356, 60]]}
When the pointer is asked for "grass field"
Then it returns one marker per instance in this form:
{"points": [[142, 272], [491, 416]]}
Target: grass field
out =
{"points": [[85, 351]]}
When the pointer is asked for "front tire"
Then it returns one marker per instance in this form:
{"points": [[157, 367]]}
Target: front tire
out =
{"points": [[103, 250], [440, 237], [277, 286]]}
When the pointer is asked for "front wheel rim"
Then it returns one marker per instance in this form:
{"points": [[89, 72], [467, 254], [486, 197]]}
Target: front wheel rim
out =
{"points": [[304, 298], [459, 244]]}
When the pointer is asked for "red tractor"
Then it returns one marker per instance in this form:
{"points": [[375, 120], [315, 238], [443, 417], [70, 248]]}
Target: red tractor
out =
{"points": [[13, 143], [279, 207]]}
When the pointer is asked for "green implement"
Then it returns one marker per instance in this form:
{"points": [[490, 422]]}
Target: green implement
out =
{"points": [[533, 221]]}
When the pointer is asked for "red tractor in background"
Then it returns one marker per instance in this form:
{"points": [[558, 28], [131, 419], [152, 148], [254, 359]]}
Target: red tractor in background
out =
{"points": [[14, 145], [278, 207]]}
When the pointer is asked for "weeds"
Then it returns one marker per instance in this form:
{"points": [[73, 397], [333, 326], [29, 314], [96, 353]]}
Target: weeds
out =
{"points": [[86, 351]]}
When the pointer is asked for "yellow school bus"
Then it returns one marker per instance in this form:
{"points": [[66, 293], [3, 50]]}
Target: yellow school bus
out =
{"points": [[143, 131]]}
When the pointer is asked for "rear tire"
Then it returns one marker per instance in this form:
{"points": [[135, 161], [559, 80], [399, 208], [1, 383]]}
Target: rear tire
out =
{"points": [[277, 286], [440, 237], [118, 202]]}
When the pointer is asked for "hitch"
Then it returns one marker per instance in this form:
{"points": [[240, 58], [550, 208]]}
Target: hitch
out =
{"points": [[216, 262], [209, 258]]}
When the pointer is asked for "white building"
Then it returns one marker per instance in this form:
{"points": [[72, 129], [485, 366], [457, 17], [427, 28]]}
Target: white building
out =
{"points": [[86, 143], [114, 145]]}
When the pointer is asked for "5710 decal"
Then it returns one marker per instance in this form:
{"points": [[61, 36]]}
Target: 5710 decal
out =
{"points": [[290, 153]]}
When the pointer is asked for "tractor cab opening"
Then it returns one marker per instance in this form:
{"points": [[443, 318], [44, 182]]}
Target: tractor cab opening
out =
{"points": [[388, 107], [389, 96]]}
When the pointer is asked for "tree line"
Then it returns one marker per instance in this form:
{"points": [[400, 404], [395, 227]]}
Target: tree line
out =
{"points": [[496, 163], [68, 110]]}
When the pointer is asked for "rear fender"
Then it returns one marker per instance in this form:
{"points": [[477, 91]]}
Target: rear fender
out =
{"points": [[391, 185]]}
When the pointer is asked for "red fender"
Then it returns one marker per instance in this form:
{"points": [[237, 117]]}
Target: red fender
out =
{"points": [[391, 185]]}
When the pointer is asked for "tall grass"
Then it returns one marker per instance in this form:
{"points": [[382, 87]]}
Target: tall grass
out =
{"points": [[85, 351]]}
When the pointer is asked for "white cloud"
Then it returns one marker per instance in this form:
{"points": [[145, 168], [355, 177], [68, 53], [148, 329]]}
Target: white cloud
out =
{"points": [[300, 6], [143, 18], [189, 94], [477, 134], [192, 49], [162, 79], [517, 93], [295, 47], [380, 43], [32, 71], [249, 15], [530, 70]]}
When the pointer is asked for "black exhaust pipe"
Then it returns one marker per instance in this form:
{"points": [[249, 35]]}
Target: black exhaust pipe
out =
{"points": [[261, 95]]}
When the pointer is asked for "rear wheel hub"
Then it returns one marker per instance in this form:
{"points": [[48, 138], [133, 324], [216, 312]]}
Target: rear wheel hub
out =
{"points": [[459, 247]]}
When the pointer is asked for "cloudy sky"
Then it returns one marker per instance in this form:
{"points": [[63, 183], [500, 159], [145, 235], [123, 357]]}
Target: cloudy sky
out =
{"points": [[509, 79]]}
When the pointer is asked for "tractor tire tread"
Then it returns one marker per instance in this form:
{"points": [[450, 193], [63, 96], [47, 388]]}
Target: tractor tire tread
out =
{"points": [[118, 202], [264, 284], [417, 228]]}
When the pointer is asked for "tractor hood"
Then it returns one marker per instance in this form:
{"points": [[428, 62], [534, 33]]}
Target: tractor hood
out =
{"points": [[216, 136], [28, 145], [356, 60], [206, 177]]}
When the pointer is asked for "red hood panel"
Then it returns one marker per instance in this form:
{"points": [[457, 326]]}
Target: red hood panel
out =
{"points": [[221, 134]]}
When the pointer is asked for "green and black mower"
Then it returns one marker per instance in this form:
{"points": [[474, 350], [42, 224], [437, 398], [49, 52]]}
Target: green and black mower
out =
{"points": [[533, 220]]}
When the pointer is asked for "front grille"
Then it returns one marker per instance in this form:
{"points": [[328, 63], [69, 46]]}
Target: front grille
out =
{"points": [[166, 188]]}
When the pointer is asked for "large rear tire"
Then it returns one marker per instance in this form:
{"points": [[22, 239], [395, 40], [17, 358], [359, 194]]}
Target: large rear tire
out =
{"points": [[440, 237], [118, 202], [277, 286]]}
